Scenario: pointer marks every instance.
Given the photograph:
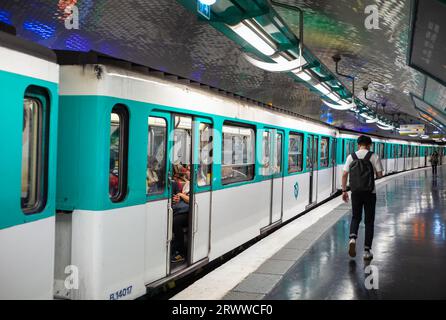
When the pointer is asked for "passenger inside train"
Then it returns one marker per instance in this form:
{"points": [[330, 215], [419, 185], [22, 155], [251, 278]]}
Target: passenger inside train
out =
{"points": [[180, 207], [113, 178]]}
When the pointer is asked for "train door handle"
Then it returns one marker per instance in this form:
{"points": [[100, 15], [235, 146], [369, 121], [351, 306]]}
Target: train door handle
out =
{"points": [[195, 217], [170, 224]]}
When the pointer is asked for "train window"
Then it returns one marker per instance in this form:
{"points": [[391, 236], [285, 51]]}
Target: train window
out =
{"points": [[348, 149], [205, 155], [309, 155], [119, 123], [238, 154], [266, 147], [182, 151], [295, 156], [381, 150], [333, 152], [400, 151], [324, 152], [34, 163], [156, 156]]}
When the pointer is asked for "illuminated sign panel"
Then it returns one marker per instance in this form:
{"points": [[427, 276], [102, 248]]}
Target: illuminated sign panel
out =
{"points": [[428, 42]]}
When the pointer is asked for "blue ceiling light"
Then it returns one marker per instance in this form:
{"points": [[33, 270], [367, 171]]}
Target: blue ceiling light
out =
{"points": [[77, 43], [41, 29], [5, 17]]}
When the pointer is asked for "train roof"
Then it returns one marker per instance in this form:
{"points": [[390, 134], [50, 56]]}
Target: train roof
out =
{"points": [[9, 40]]}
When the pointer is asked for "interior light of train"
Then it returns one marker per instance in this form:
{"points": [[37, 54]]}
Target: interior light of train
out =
{"points": [[253, 38]]}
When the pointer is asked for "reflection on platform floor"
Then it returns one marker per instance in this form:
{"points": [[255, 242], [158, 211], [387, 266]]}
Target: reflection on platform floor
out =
{"points": [[409, 249]]}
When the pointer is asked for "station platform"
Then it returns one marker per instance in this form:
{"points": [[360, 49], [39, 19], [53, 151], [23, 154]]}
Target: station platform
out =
{"points": [[308, 258]]}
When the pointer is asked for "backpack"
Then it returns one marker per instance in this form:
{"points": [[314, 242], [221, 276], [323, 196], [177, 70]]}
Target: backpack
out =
{"points": [[362, 175]]}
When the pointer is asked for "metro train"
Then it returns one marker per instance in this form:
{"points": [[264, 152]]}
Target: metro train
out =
{"points": [[92, 144]]}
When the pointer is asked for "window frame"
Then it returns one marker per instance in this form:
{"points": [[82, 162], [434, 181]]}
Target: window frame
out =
{"points": [[198, 152], [327, 154], [254, 150], [302, 144], [151, 196], [124, 125], [40, 96]]}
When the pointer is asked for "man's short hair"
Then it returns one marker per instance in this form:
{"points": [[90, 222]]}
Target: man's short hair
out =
{"points": [[364, 140]]}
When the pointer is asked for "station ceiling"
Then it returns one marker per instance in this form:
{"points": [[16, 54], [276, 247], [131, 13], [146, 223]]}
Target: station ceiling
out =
{"points": [[165, 36]]}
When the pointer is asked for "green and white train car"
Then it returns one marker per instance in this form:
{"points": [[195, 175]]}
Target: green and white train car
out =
{"points": [[29, 79]]}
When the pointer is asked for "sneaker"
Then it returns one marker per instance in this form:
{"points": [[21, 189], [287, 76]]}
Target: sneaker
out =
{"points": [[177, 258], [368, 255], [352, 248]]}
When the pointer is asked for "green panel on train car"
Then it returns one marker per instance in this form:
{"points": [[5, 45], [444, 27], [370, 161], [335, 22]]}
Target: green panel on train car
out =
{"points": [[84, 151], [13, 91]]}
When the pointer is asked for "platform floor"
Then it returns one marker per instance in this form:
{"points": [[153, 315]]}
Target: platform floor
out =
{"points": [[409, 249], [312, 261]]}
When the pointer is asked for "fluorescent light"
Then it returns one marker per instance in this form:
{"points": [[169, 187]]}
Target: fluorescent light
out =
{"points": [[322, 89], [283, 66], [375, 120], [365, 115], [413, 135], [424, 137], [208, 2], [341, 106], [369, 119], [303, 75], [253, 39], [333, 97], [384, 128], [436, 132]]}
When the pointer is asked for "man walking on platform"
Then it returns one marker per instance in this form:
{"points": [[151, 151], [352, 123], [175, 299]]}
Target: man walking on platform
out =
{"points": [[362, 166]]}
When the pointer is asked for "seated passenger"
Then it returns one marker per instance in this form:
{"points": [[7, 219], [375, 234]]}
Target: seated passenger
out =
{"points": [[180, 206], [152, 176]]}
